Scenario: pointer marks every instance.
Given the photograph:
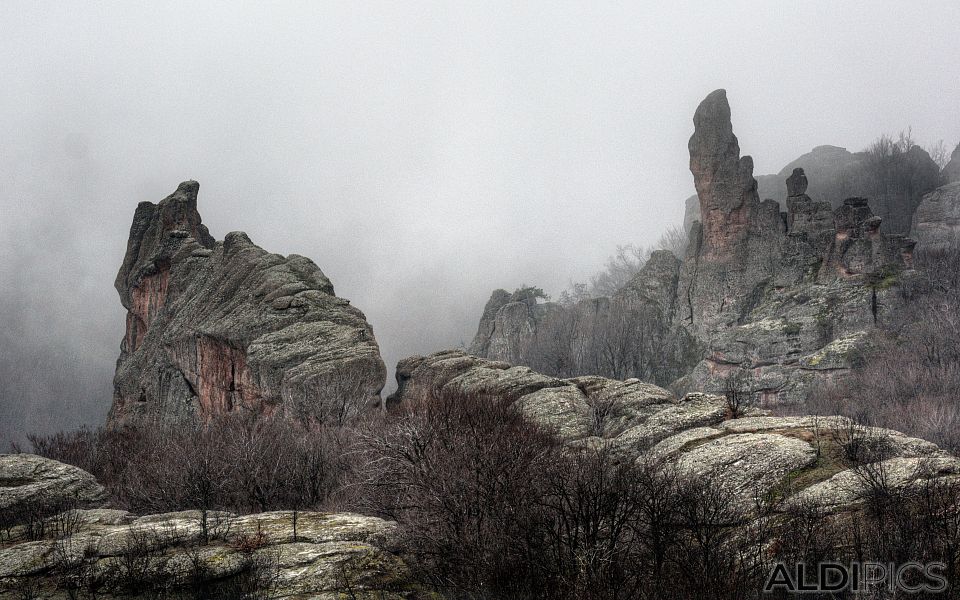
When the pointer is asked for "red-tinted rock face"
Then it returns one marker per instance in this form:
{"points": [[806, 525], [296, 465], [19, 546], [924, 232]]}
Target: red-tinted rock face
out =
{"points": [[223, 380], [147, 300]]}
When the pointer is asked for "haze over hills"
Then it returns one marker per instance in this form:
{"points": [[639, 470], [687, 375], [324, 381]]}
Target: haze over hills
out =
{"points": [[246, 399], [294, 382], [460, 153]]}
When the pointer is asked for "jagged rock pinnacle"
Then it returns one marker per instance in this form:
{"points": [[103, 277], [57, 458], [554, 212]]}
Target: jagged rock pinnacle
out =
{"points": [[724, 180]]}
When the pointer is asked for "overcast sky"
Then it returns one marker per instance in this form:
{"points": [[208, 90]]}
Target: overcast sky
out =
{"points": [[422, 154]]}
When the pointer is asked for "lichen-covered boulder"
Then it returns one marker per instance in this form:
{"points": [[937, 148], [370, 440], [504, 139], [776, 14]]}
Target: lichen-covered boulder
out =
{"points": [[27, 480], [110, 553]]}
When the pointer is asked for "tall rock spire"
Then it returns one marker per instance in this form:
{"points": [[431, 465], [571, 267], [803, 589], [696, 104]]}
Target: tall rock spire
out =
{"points": [[724, 180]]}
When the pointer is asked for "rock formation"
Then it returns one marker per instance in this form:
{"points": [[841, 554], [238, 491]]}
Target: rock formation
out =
{"points": [[830, 169], [936, 224], [894, 184], [810, 218], [751, 457], [724, 180], [578, 339], [951, 172], [110, 553], [28, 481], [508, 324], [691, 212], [791, 302], [220, 327], [780, 299]]}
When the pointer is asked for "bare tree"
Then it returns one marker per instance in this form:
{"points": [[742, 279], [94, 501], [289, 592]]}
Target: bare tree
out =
{"points": [[939, 153], [675, 240]]}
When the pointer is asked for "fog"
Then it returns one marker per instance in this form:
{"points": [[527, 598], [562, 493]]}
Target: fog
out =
{"points": [[422, 154]]}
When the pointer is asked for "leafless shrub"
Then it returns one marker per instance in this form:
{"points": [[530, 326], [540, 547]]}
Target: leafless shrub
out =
{"points": [[139, 566], [623, 266], [457, 474], [674, 239], [239, 464], [249, 543], [46, 514], [939, 153], [72, 565], [737, 390], [255, 578], [612, 338]]}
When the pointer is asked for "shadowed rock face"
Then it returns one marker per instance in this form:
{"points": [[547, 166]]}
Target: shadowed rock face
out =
{"points": [[221, 327]]}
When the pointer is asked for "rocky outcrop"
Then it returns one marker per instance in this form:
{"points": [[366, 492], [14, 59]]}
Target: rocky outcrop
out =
{"points": [[691, 212], [794, 285], [571, 406], [951, 172], [859, 249], [509, 324], [780, 300], [894, 183], [221, 327], [832, 174], [813, 459], [114, 554], [936, 224], [812, 219], [28, 482], [577, 339]]}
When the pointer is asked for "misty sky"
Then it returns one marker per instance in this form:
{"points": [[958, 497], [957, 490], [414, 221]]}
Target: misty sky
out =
{"points": [[422, 154]]}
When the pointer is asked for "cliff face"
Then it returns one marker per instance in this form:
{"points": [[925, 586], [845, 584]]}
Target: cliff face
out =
{"points": [[220, 327], [780, 300], [790, 303]]}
